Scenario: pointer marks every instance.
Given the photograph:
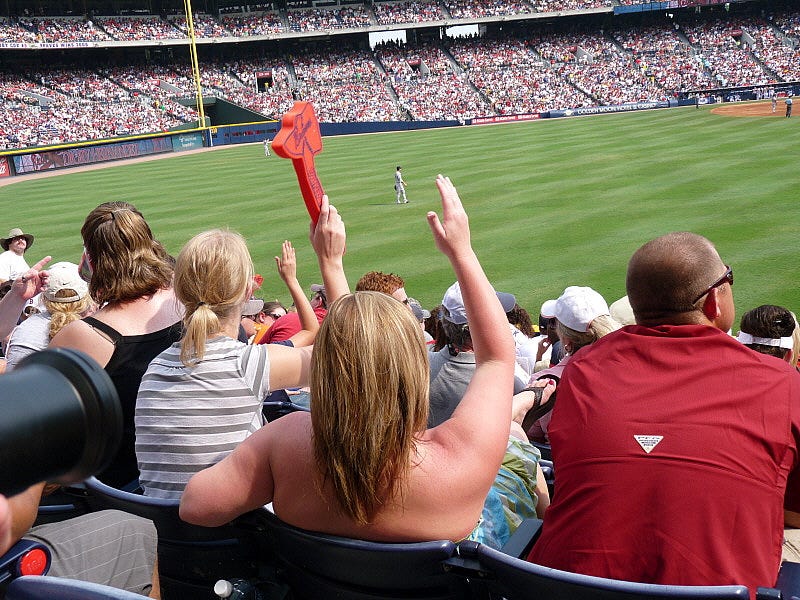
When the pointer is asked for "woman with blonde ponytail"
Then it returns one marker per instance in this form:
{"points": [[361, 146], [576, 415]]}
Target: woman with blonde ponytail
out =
{"points": [[203, 396]]}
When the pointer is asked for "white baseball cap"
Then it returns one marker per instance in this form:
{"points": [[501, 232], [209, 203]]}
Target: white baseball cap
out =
{"points": [[578, 306], [65, 276], [454, 304], [548, 310]]}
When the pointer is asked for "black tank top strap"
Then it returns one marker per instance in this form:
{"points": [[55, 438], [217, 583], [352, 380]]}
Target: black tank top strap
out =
{"points": [[114, 335]]}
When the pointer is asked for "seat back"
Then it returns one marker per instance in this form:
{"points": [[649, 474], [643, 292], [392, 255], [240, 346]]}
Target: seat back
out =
{"points": [[48, 588], [498, 575], [190, 558], [316, 565]]}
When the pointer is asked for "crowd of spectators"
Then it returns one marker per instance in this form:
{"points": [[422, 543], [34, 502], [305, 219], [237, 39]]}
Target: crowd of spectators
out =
{"points": [[776, 52], [205, 26], [565, 5], [719, 45], [264, 23], [429, 85], [14, 32], [345, 86], [471, 9], [455, 80], [163, 327], [320, 19], [513, 78], [388, 13], [138, 28], [662, 55]]}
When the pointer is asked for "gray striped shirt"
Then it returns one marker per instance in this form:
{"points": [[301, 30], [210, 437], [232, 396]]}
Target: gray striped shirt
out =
{"points": [[188, 419]]}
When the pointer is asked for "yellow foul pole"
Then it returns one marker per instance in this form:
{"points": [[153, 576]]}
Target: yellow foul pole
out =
{"points": [[198, 88]]}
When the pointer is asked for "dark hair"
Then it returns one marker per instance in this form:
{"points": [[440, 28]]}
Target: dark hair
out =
{"points": [[520, 319], [433, 325], [457, 335], [768, 321], [271, 306]]}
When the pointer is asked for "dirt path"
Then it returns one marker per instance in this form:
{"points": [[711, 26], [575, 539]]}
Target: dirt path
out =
{"points": [[762, 108]]}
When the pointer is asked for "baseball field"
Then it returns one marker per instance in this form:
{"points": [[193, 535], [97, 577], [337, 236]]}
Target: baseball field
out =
{"points": [[552, 203]]}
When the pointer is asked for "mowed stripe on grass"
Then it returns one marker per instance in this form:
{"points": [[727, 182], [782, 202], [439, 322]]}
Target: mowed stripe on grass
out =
{"points": [[551, 203]]}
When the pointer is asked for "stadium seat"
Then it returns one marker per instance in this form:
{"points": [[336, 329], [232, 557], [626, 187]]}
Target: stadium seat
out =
{"points": [[316, 565], [49, 588], [26, 557], [190, 558], [494, 575]]}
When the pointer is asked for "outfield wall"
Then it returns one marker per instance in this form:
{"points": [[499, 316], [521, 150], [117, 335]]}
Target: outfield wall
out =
{"points": [[73, 155]]}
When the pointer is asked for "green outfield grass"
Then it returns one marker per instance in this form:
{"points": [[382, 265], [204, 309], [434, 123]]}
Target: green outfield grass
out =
{"points": [[551, 203]]}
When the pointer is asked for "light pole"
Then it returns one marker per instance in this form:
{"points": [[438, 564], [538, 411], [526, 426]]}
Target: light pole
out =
{"points": [[198, 87]]}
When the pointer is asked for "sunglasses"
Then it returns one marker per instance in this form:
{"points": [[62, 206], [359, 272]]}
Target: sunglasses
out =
{"points": [[727, 277], [275, 316]]}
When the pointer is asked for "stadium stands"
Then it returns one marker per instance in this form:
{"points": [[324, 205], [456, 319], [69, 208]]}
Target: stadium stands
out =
{"points": [[529, 68]]}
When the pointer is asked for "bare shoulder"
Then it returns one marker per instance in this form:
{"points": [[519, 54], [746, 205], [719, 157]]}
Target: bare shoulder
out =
{"points": [[82, 336], [291, 431]]}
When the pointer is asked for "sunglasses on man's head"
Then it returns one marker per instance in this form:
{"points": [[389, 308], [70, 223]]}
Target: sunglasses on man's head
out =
{"points": [[726, 277]]}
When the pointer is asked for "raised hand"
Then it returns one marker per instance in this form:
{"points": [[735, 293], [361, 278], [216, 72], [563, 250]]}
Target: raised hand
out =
{"points": [[451, 233], [328, 234], [33, 281], [287, 263]]}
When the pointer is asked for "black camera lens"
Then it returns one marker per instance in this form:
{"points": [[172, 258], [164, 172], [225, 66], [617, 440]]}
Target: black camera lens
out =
{"points": [[60, 420]]}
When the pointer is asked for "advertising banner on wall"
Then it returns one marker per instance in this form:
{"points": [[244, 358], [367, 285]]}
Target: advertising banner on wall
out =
{"points": [[5, 170], [505, 118], [72, 157]]}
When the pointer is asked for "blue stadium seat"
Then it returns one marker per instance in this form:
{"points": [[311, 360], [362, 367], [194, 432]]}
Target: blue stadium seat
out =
{"points": [[190, 558], [26, 557], [494, 575], [52, 588], [316, 565]]}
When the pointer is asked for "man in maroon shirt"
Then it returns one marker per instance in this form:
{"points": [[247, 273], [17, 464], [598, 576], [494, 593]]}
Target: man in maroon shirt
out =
{"points": [[676, 447]]}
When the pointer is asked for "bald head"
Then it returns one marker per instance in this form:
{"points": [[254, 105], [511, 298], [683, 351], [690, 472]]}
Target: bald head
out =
{"points": [[667, 274]]}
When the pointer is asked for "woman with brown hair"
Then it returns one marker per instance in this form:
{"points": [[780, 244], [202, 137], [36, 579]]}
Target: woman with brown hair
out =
{"points": [[131, 280], [362, 463]]}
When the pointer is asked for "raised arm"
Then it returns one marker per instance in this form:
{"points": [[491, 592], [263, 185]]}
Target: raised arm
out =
{"points": [[480, 425], [32, 282], [287, 269], [328, 240]]}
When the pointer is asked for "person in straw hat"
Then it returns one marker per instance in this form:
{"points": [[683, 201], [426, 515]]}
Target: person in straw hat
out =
{"points": [[12, 261]]}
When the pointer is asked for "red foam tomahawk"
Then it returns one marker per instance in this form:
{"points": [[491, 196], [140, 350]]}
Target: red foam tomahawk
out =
{"points": [[299, 139]]}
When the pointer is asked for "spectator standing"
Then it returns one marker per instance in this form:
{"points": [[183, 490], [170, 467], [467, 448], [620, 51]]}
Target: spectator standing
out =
{"points": [[12, 260]]}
